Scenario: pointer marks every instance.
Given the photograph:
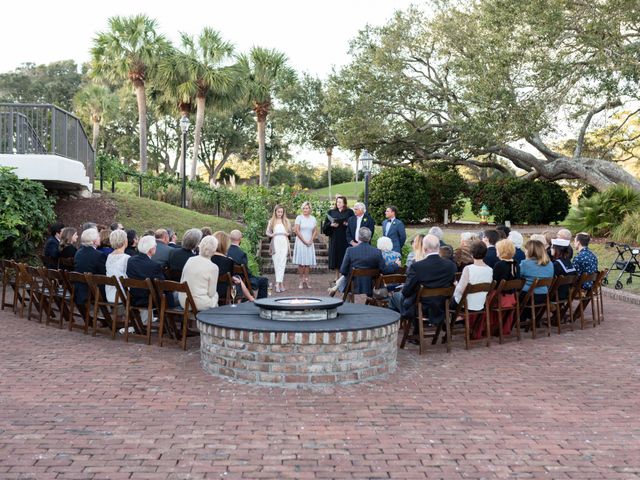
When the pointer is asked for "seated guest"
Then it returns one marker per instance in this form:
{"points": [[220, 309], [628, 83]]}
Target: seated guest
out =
{"points": [[490, 238], [52, 245], [503, 231], [173, 238], [516, 238], [132, 243], [206, 231], [431, 272], [446, 251], [261, 284], [225, 264], [116, 226], [142, 267], [87, 226], [417, 253], [462, 255], [390, 256], [88, 260], [179, 256], [506, 268], [585, 260], [105, 246], [201, 274], [437, 232], [536, 265], [68, 241], [162, 247], [116, 261], [562, 265], [565, 234], [364, 255], [474, 274]]}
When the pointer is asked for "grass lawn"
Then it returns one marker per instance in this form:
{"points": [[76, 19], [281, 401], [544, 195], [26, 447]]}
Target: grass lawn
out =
{"points": [[142, 214], [351, 190]]}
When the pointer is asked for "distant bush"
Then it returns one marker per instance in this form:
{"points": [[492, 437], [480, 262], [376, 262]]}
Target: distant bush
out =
{"points": [[448, 191], [521, 201], [338, 175], [25, 215], [629, 230], [600, 213], [405, 188]]}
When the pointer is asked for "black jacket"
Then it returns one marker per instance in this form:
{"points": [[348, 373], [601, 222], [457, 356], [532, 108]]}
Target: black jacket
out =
{"points": [[141, 267], [367, 221], [88, 260], [178, 257], [364, 256]]}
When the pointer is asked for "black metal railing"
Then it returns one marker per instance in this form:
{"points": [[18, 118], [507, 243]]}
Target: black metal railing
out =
{"points": [[43, 129]]}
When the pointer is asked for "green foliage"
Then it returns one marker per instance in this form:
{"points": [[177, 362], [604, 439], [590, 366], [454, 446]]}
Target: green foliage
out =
{"points": [[521, 201], [629, 230], [405, 188], [226, 173], [338, 175], [587, 191], [25, 214], [448, 190], [600, 213]]}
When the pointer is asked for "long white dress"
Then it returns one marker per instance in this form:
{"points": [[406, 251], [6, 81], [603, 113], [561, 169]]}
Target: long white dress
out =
{"points": [[305, 254], [280, 251]]}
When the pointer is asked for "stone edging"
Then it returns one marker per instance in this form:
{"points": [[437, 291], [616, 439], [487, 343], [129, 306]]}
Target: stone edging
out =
{"points": [[621, 295]]}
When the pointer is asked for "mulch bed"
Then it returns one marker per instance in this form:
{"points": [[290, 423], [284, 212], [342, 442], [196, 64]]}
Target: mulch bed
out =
{"points": [[75, 212]]}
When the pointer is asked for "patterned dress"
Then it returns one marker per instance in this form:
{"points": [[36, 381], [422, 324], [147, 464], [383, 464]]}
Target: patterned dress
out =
{"points": [[585, 262]]}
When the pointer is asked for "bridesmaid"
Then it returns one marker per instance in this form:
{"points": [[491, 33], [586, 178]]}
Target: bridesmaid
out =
{"points": [[278, 230], [335, 227], [304, 252]]}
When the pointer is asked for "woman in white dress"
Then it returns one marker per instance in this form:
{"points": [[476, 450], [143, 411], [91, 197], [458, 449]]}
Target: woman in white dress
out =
{"points": [[116, 265], [278, 230], [304, 252]]}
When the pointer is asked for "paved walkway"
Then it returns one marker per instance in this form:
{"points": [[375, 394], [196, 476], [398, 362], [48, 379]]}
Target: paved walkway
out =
{"points": [[565, 407]]}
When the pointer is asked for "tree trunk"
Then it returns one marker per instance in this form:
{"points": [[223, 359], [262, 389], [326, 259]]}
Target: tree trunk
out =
{"points": [[220, 165], [357, 163], [91, 167], [141, 98], [200, 105], [262, 151], [329, 151]]}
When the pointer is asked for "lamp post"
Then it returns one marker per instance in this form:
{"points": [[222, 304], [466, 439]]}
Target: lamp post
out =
{"points": [[366, 160], [184, 127]]}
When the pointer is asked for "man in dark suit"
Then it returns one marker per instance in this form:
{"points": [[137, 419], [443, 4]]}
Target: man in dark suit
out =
{"points": [[162, 248], [364, 255], [240, 257], [88, 260], [362, 218], [431, 272], [52, 245], [179, 256], [490, 238], [393, 228], [141, 267]]}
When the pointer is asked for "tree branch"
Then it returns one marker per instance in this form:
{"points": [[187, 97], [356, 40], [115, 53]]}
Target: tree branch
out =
{"points": [[585, 125], [537, 142]]}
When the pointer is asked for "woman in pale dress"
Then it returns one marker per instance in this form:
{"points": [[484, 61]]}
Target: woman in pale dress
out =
{"points": [[278, 230], [116, 264], [304, 252]]}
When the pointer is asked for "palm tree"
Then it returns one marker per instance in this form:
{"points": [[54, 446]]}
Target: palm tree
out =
{"points": [[264, 72], [130, 50], [93, 102], [197, 70]]}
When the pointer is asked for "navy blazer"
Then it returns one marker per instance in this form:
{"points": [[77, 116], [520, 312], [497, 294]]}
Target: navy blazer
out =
{"points": [[178, 257], [364, 256], [88, 260], [491, 258], [52, 250], [141, 267], [430, 272], [238, 255], [397, 233], [367, 221]]}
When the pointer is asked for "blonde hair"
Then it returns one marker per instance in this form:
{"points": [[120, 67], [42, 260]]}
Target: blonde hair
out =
{"points": [[223, 241], [535, 250], [539, 237], [118, 239], [306, 204], [505, 249], [416, 247], [285, 220]]}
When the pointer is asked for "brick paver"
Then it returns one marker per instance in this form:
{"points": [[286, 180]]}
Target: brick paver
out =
{"points": [[565, 407]]}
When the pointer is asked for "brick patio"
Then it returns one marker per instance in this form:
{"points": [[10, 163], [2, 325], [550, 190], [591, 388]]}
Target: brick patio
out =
{"points": [[565, 407]]}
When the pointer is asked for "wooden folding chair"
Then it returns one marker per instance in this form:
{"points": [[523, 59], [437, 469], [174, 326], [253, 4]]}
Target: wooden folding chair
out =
{"points": [[585, 297], [48, 299], [225, 280], [133, 315], [49, 262], [10, 279], [562, 305], [30, 290], [382, 282], [173, 275], [111, 311], [60, 296], [66, 263], [349, 295], [544, 308], [434, 332], [480, 316], [175, 321], [74, 279], [597, 294], [242, 272], [503, 313]]}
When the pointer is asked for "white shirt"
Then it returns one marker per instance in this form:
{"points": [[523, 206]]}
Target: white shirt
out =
{"points": [[358, 223], [473, 275]]}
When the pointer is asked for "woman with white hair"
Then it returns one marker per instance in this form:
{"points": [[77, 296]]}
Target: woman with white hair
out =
{"points": [[116, 261], [517, 240], [201, 274], [462, 255], [385, 245]]}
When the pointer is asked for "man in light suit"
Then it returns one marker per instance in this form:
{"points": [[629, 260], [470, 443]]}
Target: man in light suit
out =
{"points": [[431, 272], [362, 218], [364, 255], [393, 228]]}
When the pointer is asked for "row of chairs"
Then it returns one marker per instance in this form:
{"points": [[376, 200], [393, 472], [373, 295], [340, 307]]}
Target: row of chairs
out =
{"points": [[38, 292], [524, 312]]}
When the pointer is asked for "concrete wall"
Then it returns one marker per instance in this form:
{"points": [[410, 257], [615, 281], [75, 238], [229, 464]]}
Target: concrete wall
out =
{"points": [[54, 171]]}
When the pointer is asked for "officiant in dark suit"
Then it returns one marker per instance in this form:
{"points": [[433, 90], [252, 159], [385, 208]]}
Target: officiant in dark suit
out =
{"points": [[361, 219], [335, 227]]}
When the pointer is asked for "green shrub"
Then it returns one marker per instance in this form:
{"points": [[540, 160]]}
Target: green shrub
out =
{"points": [[521, 201], [629, 230], [25, 215], [600, 213], [405, 188], [448, 192], [338, 175]]}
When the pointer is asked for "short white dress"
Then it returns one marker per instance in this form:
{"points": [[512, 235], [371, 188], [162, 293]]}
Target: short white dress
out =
{"points": [[305, 255]]}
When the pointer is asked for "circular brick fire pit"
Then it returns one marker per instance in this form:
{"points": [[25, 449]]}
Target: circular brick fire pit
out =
{"points": [[253, 344]]}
